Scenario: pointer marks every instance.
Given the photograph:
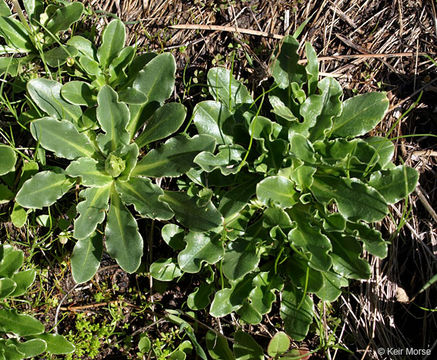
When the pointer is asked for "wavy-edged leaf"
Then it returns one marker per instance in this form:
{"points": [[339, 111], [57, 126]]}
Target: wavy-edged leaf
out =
{"points": [[331, 288], [156, 80], [384, 148], [225, 89], [355, 200], [164, 122], [302, 275], [8, 158], [276, 190], [118, 65], [61, 137], [92, 211], [78, 93], [64, 17], [371, 238], [113, 117], [83, 45], [113, 40], [165, 269], [241, 257], [20, 324], [91, 172], [86, 257], [43, 189], [296, 312], [190, 214], [174, 157], [173, 235], [200, 248], [395, 184], [144, 195], [47, 95], [360, 114], [200, 298], [312, 68], [346, 257], [214, 118], [227, 160], [123, 241]]}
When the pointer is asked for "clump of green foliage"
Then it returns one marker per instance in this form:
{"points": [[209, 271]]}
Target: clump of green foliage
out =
{"points": [[298, 191], [21, 335]]}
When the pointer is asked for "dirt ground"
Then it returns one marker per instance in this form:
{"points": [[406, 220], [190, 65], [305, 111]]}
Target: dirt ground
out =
{"points": [[367, 45]]}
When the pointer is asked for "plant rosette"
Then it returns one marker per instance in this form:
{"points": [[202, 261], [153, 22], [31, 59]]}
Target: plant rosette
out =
{"points": [[105, 151], [298, 194]]}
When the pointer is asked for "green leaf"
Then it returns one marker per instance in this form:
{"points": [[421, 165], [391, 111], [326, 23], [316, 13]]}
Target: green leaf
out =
{"points": [[332, 284], [221, 305], [91, 172], [132, 96], [312, 68], [395, 184], [92, 210], [218, 347], [355, 200], [331, 106], [86, 258], [346, 259], [113, 40], [84, 46], [7, 287], [310, 238], [296, 312], [241, 257], [173, 235], [15, 34], [31, 348], [371, 238], [56, 344], [9, 351], [6, 195], [164, 122], [4, 9], [8, 158], [144, 345], [43, 189], [213, 118], [23, 279], [227, 159], [78, 93], [156, 81], [113, 117], [199, 299], [64, 17], [58, 56], [10, 65], [276, 190], [90, 66], [263, 295], [47, 95], [10, 260], [145, 196], [286, 69], [62, 138], [165, 269], [174, 157], [20, 324], [384, 148], [190, 214], [34, 9], [279, 344], [360, 114], [119, 64], [302, 275], [123, 241], [200, 248], [225, 89], [246, 348]]}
